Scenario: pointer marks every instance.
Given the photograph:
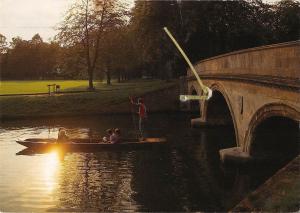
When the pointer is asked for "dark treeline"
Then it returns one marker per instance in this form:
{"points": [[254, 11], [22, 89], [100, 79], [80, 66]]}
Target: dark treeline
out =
{"points": [[33, 59], [103, 39]]}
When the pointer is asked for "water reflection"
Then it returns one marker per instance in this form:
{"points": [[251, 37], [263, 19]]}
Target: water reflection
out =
{"points": [[96, 182], [186, 177], [50, 170]]}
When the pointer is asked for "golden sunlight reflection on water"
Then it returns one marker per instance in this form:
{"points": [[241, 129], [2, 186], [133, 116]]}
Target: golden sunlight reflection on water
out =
{"points": [[51, 164]]}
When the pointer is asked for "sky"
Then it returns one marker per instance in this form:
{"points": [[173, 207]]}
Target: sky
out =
{"points": [[25, 18]]}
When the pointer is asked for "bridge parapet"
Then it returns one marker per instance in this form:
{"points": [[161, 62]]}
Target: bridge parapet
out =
{"points": [[275, 63]]}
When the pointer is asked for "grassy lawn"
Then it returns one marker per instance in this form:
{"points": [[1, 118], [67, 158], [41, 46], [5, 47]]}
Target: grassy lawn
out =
{"points": [[28, 87], [106, 99]]}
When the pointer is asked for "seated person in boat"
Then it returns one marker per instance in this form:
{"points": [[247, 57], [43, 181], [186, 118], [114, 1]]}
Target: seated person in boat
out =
{"points": [[62, 135], [116, 136], [106, 138]]}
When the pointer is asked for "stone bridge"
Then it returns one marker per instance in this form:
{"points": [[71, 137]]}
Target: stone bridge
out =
{"points": [[255, 90]]}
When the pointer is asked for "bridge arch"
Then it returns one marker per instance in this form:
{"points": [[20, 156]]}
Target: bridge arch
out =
{"points": [[259, 86], [220, 105], [268, 118], [192, 90]]}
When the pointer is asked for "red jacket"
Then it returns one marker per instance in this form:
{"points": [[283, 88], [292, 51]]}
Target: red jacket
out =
{"points": [[142, 110]]}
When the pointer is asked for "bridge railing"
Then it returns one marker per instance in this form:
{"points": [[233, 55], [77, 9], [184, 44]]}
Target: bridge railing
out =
{"points": [[277, 61]]}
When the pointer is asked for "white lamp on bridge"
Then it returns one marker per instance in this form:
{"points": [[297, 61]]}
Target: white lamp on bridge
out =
{"points": [[206, 91], [184, 98]]}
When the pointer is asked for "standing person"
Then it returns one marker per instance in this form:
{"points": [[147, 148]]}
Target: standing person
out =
{"points": [[142, 112]]}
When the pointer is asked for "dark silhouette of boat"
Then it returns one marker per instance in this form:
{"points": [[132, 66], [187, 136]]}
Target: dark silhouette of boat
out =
{"points": [[77, 144]]}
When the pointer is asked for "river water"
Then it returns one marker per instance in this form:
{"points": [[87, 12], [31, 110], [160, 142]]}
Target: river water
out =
{"points": [[187, 176]]}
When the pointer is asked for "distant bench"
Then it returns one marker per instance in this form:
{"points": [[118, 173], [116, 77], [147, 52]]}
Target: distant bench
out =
{"points": [[55, 88]]}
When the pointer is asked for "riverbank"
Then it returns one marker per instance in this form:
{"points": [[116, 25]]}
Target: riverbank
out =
{"points": [[110, 99], [281, 193]]}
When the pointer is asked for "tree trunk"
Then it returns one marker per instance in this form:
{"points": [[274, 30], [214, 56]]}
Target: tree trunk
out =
{"points": [[108, 82], [119, 76], [108, 77], [91, 86]]}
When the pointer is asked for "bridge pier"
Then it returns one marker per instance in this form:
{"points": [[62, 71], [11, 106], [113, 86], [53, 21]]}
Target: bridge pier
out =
{"points": [[197, 122], [234, 155]]}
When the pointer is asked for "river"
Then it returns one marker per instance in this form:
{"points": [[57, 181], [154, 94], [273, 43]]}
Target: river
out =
{"points": [[185, 177]]}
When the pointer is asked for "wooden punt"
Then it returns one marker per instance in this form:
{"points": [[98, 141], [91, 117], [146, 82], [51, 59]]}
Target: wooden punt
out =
{"points": [[91, 144]]}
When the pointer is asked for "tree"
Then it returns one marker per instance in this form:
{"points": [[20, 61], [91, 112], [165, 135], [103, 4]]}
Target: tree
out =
{"points": [[33, 59], [84, 25], [287, 20], [117, 56], [3, 54], [71, 63], [19, 67], [3, 44], [36, 59], [148, 20]]}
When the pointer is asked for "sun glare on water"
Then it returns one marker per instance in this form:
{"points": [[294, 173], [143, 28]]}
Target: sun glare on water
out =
{"points": [[51, 170]]}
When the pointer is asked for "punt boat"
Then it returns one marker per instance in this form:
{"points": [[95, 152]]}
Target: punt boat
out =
{"points": [[92, 144]]}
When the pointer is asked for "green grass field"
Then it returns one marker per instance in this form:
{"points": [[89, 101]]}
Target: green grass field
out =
{"points": [[29, 87], [33, 87], [106, 98]]}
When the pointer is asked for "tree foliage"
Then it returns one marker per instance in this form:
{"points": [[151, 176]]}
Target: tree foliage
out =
{"points": [[3, 44], [103, 38], [33, 59], [84, 25]]}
